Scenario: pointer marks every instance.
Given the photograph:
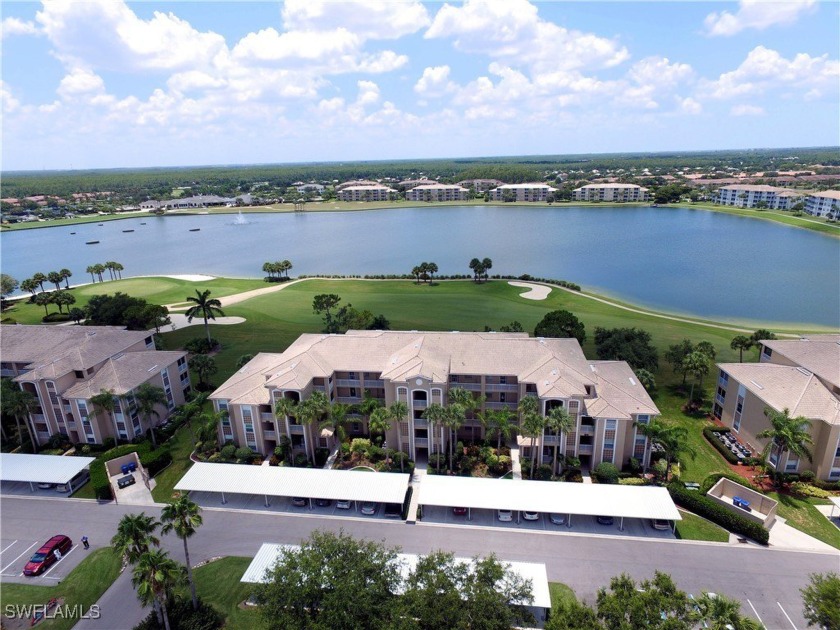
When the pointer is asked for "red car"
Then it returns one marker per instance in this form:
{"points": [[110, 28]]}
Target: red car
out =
{"points": [[459, 511], [45, 556]]}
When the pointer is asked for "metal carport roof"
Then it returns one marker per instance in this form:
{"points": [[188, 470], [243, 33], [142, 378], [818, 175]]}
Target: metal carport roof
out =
{"points": [[29, 468], [549, 496], [279, 481], [536, 572]]}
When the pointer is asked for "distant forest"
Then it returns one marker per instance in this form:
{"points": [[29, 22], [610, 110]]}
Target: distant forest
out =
{"points": [[157, 182]]}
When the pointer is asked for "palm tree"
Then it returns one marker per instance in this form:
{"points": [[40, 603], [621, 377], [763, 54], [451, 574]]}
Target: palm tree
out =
{"points": [[498, 422], [182, 516], [135, 536], [559, 421], [118, 268], [475, 264], [98, 268], [454, 420], [671, 441], [337, 419], [19, 403], [723, 613], [286, 266], [416, 271], [111, 266], [435, 414], [29, 285], [432, 269], [368, 405], [55, 278], [786, 434], [486, 265], [43, 299], [147, 397], [380, 421], [39, 278], [698, 364], [527, 410], [205, 307], [62, 299], [741, 343], [310, 412], [65, 275], [399, 411], [106, 401], [91, 269], [155, 576]]}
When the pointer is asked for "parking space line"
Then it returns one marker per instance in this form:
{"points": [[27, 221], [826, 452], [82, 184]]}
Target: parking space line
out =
{"points": [[755, 612], [784, 612], [3, 570], [4, 550], [55, 564]]}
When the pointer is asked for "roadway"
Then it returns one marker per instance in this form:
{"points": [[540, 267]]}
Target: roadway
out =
{"points": [[766, 581]]}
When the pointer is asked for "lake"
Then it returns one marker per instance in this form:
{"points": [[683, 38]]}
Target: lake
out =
{"points": [[677, 259]]}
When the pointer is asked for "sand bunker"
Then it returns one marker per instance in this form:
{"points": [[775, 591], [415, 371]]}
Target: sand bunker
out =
{"points": [[535, 291]]}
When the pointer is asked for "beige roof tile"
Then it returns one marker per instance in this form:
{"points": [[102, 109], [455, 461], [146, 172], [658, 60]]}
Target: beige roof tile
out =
{"points": [[819, 354], [125, 372]]}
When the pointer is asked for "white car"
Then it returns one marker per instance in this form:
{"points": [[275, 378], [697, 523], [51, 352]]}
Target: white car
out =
{"points": [[660, 524], [557, 519], [505, 516], [369, 508], [342, 504], [531, 516]]}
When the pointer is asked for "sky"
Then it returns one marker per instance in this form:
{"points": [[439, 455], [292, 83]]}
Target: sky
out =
{"points": [[113, 84]]}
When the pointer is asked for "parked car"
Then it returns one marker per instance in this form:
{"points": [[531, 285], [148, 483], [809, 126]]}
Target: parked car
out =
{"points": [[299, 501], [45, 556], [459, 511], [46, 486], [605, 520], [76, 482], [506, 516], [557, 519], [369, 508], [393, 510], [531, 516], [660, 524], [343, 504], [323, 502]]}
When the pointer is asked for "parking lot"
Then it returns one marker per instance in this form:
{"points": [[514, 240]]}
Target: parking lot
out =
{"points": [[14, 554], [284, 505], [579, 524], [21, 488]]}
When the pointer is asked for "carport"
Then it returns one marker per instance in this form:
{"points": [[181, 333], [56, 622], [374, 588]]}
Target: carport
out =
{"points": [[52, 469], [280, 481], [269, 553], [643, 502]]}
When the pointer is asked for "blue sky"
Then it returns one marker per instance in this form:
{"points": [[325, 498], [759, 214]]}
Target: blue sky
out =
{"points": [[104, 83]]}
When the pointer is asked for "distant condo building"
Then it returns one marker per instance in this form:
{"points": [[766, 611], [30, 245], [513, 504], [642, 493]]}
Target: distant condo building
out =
{"points": [[408, 184], [199, 201], [356, 182], [611, 192], [522, 192], [824, 204], [750, 195], [437, 192], [605, 399], [481, 185], [375, 192]]}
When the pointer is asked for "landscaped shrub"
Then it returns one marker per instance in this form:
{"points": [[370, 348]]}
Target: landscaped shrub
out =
{"points": [[711, 435], [833, 486], [301, 461], [200, 345], [228, 451], [712, 479], [183, 617], [605, 472], [633, 481], [807, 476], [406, 503], [705, 507], [321, 455], [245, 454], [359, 446], [807, 490], [55, 317]]}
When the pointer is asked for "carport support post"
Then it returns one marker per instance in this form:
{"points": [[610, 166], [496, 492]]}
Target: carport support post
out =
{"points": [[469, 514], [621, 525], [223, 498], [31, 487], [569, 522], [267, 504]]}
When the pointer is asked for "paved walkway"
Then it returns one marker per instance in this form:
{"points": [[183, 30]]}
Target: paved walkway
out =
{"points": [[515, 464], [783, 535]]}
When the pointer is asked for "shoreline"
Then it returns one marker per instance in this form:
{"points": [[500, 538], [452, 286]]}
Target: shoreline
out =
{"points": [[808, 223]]}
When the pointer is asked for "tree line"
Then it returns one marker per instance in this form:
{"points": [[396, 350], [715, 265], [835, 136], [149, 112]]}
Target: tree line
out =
{"points": [[277, 270]]}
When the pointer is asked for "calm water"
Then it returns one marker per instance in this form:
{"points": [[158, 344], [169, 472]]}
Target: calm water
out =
{"points": [[690, 261]]}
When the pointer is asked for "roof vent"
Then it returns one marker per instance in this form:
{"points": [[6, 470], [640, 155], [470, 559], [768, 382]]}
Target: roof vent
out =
{"points": [[554, 372], [756, 384], [632, 382], [591, 367], [153, 368], [804, 371]]}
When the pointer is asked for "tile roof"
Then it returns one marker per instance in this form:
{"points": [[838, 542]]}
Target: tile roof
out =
{"points": [[124, 372], [819, 354], [622, 186]]}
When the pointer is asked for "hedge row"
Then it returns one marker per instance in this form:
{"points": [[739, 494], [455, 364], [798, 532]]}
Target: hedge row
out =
{"points": [[705, 507], [153, 461], [711, 434], [406, 503], [712, 479]]}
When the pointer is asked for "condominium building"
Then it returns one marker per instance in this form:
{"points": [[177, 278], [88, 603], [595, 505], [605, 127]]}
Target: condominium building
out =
{"points": [[437, 192], [522, 192], [356, 182], [481, 185], [367, 192], [408, 184], [65, 366], [824, 204], [611, 192], [802, 376], [604, 398], [750, 195]]}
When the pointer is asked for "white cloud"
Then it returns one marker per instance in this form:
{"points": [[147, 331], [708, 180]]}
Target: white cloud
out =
{"points": [[368, 93], [689, 105], [512, 31], [10, 103], [746, 110], [659, 71], [369, 19], [269, 45], [16, 26], [80, 82], [434, 82], [764, 69], [756, 14]]}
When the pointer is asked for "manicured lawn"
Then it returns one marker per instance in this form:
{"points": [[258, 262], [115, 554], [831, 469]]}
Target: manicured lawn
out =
{"points": [[180, 445], [801, 514], [218, 584], [805, 221], [83, 587], [692, 527], [560, 593]]}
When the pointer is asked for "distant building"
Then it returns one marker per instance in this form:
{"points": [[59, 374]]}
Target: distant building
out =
{"points": [[65, 366], [356, 182], [375, 192], [824, 204], [408, 184], [437, 192], [199, 201], [610, 192], [749, 195], [522, 192], [306, 188], [481, 185]]}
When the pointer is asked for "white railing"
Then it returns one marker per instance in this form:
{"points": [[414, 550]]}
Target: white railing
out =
{"points": [[500, 405], [476, 387], [421, 441], [350, 400], [421, 422], [585, 449], [587, 429], [501, 387], [348, 382], [269, 435], [374, 382], [297, 429], [419, 404], [267, 416]]}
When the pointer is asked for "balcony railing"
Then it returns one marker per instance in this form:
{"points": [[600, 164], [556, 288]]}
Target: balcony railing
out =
{"points": [[419, 404], [500, 405], [348, 382], [421, 422], [43, 435], [350, 400], [320, 388], [269, 435], [296, 429], [501, 387], [587, 429], [551, 440], [374, 382], [585, 449], [37, 417], [421, 442], [266, 416], [476, 387]]}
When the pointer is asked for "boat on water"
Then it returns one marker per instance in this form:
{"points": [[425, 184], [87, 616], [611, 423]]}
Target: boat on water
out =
{"points": [[195, 229], [91, 242], [72, 233], [128, 230], [142, 224]]}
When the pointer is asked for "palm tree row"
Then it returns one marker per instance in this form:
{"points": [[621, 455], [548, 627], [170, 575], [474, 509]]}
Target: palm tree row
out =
{"points": [[425, 270], [277, 269], [60, 298], [55, 277], [19, 403], [115, 270], [155, 574], [480, 268]]}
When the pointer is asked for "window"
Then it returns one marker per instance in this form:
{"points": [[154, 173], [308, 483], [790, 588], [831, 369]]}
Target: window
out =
{"points": [[723, 379], [78, 373], [503, 380], [352, 392], [502, 397], [739, 408], [766, 352]]}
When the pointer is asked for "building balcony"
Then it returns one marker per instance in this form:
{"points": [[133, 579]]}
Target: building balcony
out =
{"points": [[551, 440], [475, 387], [348, 382], [587, 429], [37, 417], [500, 405], [267, 416], [421, 423], [269, 435], [419, 404], [320, 388], [585, 449], [296, 429], [374, 382], [421, 442], [501, 387], [43, 435], [349, 400]]}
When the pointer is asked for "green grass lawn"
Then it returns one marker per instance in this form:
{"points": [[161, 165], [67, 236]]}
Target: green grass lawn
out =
{"points": [[805, 221], [84, 586], [560, 593], [692, 527], [801, 514], [180, 445], [218, 584]]}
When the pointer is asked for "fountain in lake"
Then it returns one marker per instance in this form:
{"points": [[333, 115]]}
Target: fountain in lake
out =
{"points": [[240, 220]]}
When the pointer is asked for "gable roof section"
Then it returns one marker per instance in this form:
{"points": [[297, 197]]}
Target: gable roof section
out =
{"points": [[124, 372], [819, 354]]}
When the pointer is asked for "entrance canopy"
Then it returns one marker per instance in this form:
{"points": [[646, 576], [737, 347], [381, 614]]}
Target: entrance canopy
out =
{"points": [[29, 468], [549, 496], [269, 553], [311, 483]]}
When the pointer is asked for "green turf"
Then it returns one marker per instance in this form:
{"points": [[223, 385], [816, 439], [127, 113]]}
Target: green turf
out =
{"points": [[805, 221], [83, 587], [218, 584], [560, 593], [180, 446], [692, 527], [801, 514]]}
